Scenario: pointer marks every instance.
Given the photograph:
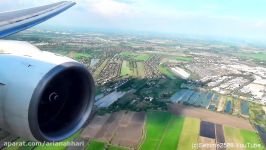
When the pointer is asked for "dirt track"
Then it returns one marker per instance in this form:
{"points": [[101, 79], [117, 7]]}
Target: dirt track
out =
{"points": [[209, 116]]}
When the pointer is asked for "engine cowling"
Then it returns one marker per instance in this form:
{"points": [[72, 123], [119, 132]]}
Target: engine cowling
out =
{"points": [[43, 96]]}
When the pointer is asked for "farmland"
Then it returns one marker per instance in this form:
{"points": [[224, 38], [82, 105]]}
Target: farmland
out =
{"points": [[216, 97], [162, 130], [125, 70], [260, 56], [228, 107], [135, 56], [241, 138], [167, 72], [120, 128], [132, 68], [183, 58], [189, 134], [190, 97], [96, 145], [244, 108]]}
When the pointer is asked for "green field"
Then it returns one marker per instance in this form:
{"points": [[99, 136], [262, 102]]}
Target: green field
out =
{"points": [[167, 72], [189, 133], [125, 70], [135, 56], [184, 58], [142, 57], [241, 136], [162, 131], [95, 145], [251, 137], [260, 56], [172, 133], [79, 55], [132, 68], [127, 53], [140, 69]]}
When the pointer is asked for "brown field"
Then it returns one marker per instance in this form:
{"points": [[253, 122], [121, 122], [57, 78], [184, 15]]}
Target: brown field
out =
{"points": [[94, 126], [206, 115], [209, 141], [120, 128]]}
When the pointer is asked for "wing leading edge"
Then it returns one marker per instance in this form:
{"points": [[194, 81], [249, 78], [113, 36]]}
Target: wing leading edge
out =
{"points": [[15, 21]]}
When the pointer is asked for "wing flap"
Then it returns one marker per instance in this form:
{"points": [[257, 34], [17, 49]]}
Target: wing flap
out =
{"points": [[15, 21]]}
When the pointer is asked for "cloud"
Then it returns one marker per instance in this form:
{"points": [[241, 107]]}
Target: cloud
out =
{"points": [[112, 8]]}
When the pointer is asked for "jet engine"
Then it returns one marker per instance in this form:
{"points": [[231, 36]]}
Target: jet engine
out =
{"points": [[43, 96]]}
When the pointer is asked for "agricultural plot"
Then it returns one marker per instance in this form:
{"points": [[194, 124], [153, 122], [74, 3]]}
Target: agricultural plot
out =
{"points": [[193, 98], [184, 58], [135, 56], [155, 126], [125, 70], [216, 98], [109, 99], [221, 104], [204, 100], [140, 70], [167, 72], [119, 128], [214, 101], [228, 107], [98, 145], [189, 97], [132, 68], [181, 96], [207, 129], [236, 108], [206, 115], [219, 136], [189, 134], [79, 56], [172, 133], [241, 137], [162, 131], [212, 107], [142, 57], [245, 108], [254, 56], [252, 138], [205, 140]]}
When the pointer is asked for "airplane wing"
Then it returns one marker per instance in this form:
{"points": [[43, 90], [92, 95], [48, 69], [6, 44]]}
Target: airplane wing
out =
{"points": [[15, 21]]}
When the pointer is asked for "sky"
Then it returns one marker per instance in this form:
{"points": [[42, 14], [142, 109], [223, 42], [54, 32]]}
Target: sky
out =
{"points": [[221, 18]]}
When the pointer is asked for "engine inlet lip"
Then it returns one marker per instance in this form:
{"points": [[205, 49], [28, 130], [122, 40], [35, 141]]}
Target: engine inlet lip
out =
{"points": [[38, 92]]}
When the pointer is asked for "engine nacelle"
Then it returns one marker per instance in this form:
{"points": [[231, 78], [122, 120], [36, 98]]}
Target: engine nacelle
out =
{"points": [[43, 96]]}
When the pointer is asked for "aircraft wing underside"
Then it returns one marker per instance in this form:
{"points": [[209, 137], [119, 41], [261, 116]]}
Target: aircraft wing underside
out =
{"points": [[15, 21]]}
